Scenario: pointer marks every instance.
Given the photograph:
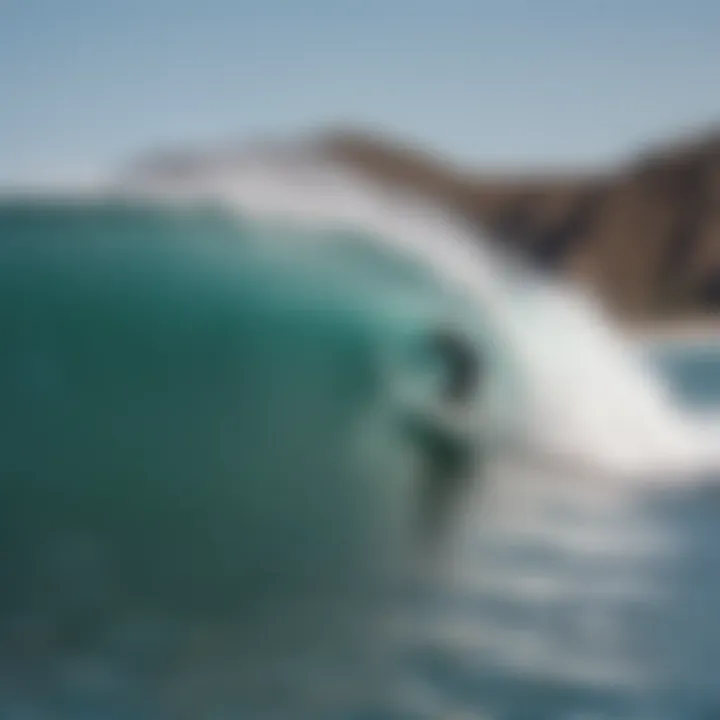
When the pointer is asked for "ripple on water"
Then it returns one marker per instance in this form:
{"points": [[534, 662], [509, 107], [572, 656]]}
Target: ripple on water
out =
{"points": [[594, 609]]}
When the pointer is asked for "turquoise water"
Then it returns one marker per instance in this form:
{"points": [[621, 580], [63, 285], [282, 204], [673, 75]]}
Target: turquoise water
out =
{"points": [[162, 376], [204, 443], [209, 497]]}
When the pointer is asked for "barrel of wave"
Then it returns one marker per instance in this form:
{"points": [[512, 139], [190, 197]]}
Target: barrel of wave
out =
{"points": [[191, 425]]}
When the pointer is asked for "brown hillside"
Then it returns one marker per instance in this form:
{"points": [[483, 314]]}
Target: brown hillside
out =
{"points": [[647, 236]]}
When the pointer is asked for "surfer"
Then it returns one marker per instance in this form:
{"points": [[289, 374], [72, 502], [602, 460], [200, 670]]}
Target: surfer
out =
{"points": [[445, 435]]}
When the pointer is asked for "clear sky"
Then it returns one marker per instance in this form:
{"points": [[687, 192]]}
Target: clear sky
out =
{"points": [[86, 83]]}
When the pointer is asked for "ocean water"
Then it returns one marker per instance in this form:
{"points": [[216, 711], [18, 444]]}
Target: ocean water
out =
{"points": [[209, 489], [209, 501]]}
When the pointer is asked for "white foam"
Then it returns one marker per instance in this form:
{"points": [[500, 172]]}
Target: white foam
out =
{"points": [[587, 398]]}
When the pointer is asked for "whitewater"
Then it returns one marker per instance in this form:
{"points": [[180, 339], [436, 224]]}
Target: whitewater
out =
{"points": [[582, 393]]}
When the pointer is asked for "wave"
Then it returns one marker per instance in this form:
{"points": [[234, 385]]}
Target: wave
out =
{"points": [[583, 393]]}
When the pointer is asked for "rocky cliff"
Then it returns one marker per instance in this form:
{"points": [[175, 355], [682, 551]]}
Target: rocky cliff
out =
{"points": [[646, 235]]}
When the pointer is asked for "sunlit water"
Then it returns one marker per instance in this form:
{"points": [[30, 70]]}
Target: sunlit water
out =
{"points": [[571, 591]]}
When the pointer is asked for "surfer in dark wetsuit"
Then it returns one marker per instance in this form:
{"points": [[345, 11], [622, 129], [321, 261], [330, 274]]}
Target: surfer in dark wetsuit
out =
{"points": [[445, 436], [464, 366]]}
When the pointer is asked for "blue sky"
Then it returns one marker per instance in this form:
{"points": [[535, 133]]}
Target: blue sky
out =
{"points": [[86, 83]]}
